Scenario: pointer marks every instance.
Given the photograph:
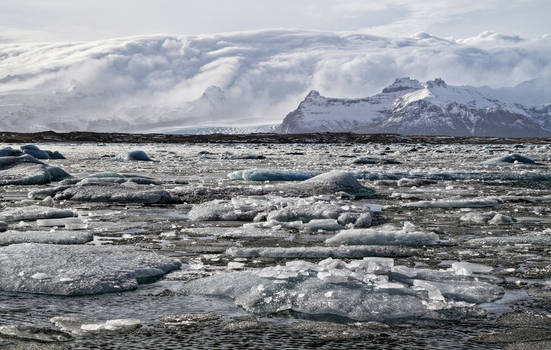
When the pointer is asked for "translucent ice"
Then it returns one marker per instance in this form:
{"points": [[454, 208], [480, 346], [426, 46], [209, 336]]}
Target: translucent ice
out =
{"points": [[78, 269], [27, 170], [272, 175], [50, 237], [409, 235], [34, 213], [372, 289]]}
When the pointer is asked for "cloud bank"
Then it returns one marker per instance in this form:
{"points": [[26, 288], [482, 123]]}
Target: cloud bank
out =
{"points": [[242, 78]]}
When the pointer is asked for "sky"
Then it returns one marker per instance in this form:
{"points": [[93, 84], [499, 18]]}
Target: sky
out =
{"points": [[84, 20]]}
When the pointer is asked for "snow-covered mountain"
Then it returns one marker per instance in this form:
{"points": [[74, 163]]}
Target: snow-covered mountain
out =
{"points": [[172, 82], [408, 106]]}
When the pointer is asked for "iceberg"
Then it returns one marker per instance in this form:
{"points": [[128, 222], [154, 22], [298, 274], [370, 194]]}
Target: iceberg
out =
{"points": [[27, 170]]}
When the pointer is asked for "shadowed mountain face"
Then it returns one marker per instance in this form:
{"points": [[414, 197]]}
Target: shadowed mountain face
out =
{"points": [[432, 108]]}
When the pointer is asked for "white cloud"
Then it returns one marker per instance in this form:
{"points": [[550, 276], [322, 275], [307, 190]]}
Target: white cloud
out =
{"points": [[142, 82]]}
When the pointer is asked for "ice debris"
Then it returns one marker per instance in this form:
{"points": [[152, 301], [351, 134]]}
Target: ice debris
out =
{"points": [[79, 326], [116, 193], [372, 160], [488, 218], [408, 235], [34, 212], [27, 170], [372, 289], [38, 153], [47, 237], [481, 202], [78, 269], [510, 159], [37, 334], [272, 175], [292, 212], [535, 238], [343, 252]]}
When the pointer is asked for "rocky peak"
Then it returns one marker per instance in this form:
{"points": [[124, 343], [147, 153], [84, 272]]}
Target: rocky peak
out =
{"points": [[401, 84], [436, 82]]}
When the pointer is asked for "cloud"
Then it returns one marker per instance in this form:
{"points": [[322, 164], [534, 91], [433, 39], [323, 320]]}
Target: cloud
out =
{"points": [[146, 82]]}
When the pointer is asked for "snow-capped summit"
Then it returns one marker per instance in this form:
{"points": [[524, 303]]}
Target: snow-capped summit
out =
{"points": [[408, 106]]}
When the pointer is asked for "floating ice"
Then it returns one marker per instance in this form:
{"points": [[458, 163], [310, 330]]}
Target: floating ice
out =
{"points": [[78, 269], [409, 235], [322, 225], [414, 182], [117, 193], [372, 289], [535, 238], [237, 209], [272, 175], [48, 237], [248, 156], [466, 268], [510, 159], [343, 252], [372, 160], [328, 183], [137, 156], [481, 202], [27, 170], [30, 333], [80, 326], [488, 218], [34, 212], [10, 152]]}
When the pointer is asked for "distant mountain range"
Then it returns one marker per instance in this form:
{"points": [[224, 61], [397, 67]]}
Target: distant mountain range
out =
{"points": [[411, 107], [235, 82]]}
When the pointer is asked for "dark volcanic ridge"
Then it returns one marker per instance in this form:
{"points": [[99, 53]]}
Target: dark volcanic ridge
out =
{"points": [[273, 138]]}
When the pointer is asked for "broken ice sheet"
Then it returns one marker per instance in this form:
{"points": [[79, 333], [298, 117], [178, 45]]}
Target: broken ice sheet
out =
{"points": [[78, 269], [372, 289], [408, 235]]}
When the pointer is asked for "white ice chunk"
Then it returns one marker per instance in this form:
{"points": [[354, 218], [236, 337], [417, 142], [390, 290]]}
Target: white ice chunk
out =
{"points": [[409, 235]]}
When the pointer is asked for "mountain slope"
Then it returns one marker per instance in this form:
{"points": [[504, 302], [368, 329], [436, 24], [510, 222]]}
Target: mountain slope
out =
{"points": [[410, 107], [238, 79]]}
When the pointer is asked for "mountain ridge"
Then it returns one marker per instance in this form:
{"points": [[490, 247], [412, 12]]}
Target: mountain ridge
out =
{"points": [[408, 106]]}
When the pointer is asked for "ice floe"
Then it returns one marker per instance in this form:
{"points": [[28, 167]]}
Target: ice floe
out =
{"points": [[480, 202], [535, 238], [327, 183], [78, 269], [27, 170], [510, 159], [372, 289], [34, 212], [487, 218], [49, 237], [31, 333], [342, 252], [272, 175], [408, 235], [79, 326], [373, 160], [116, 193]]}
